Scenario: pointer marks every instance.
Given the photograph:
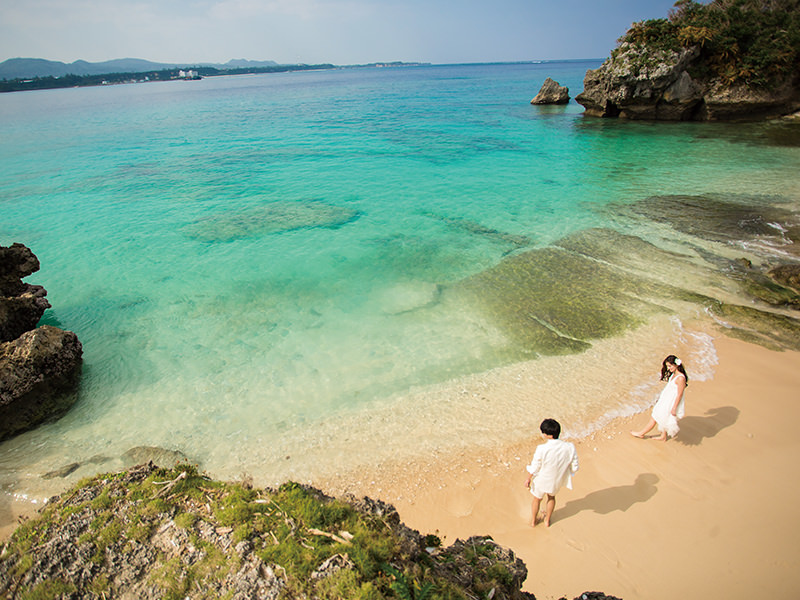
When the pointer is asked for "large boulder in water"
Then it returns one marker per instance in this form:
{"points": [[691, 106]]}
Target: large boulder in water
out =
{"points": [[39, 376], [551, 92], [21, 304]]}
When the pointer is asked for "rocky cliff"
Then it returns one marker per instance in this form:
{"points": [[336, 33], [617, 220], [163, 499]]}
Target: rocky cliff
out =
{"points": [[715, 62], [39, 366]]}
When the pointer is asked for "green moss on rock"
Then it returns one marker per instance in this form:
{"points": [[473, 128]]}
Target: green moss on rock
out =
{"points": [[550, 301], [227, 540], [771, 330], [716, 217]]}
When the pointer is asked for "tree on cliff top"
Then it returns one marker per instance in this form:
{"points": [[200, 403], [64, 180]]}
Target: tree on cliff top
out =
{"points": [[751, 42]]}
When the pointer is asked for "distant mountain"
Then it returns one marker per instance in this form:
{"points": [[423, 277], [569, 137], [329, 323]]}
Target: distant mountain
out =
{"points": [[25, 68], [244, 63]]}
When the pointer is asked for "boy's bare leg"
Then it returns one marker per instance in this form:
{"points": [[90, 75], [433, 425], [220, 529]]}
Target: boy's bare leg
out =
{"points": [[534, 510], [549, 507]]}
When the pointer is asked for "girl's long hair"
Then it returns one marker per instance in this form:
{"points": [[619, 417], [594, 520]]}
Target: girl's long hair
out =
{"points": [[665, 371]]}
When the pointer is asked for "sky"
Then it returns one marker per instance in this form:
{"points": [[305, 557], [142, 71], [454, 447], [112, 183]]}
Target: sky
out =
{"points": [[342, 32]]}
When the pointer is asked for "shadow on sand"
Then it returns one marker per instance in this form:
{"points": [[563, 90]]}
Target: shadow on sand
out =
{"points": [[611, 499], [695, 429]]}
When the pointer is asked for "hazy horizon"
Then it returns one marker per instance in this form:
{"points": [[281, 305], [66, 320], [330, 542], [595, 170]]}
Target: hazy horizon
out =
{"points": [[266, 60]]}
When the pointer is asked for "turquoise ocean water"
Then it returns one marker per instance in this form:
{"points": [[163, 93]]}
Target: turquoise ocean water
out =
{"points": [[273, 274]]}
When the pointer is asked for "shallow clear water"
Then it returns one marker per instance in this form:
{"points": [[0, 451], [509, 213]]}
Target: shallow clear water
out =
{"points": [[255, 264]]}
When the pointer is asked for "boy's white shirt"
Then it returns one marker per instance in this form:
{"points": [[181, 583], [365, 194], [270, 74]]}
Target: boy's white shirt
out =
{"points": [[553, 465]]}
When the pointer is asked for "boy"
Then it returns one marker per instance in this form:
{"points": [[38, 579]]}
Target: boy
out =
{"points": [[553, 465]]}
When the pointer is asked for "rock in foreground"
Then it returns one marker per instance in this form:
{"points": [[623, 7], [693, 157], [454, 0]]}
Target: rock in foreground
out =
{"points": [[154, 533], [39, 376]]}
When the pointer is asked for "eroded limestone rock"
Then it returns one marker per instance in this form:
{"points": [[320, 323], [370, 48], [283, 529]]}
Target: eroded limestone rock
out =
{"points": [[638, 82], [551, 92], [21, 304], [39, 376], [39, 367]]}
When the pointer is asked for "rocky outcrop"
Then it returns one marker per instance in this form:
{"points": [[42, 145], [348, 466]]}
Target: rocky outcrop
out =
{"points": [[152, 533], [551, 92], [738, 102], [39, 367], [21, 304], [155, 533], [39, 375], [638, 82]]}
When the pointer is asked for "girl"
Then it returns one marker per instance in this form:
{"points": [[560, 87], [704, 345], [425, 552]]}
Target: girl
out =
{"points": [[669, 406]]}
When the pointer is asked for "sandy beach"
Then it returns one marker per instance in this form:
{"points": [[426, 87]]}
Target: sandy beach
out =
{"points": [[709, 514]]}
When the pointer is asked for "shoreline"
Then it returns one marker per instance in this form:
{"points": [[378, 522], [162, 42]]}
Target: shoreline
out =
{"points": [[645, 519], [630, 508]]}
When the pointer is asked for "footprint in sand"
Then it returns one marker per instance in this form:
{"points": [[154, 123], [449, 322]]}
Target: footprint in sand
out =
{"points": [[460, 507], [577, 545]]}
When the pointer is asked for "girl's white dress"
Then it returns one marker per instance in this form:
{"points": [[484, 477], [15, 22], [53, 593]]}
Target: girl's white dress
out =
{"points": [[662, 411]]}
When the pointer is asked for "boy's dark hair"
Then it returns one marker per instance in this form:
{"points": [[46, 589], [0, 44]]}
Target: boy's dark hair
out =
{"points": [[551, 427]]}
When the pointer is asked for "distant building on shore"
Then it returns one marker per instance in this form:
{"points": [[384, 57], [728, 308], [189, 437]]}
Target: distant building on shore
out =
{"points": [[188, 74]]}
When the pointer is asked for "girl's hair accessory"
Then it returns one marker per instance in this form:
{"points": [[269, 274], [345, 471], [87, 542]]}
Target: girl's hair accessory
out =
{"points": [[678, 362]]}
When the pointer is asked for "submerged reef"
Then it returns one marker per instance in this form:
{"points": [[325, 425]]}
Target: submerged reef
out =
{"points": [[513, 241], [738, 263], [275, 217], [551, 301], [718, 218]]}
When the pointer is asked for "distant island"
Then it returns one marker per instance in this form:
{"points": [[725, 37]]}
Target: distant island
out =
{"points": [[20, 74]]}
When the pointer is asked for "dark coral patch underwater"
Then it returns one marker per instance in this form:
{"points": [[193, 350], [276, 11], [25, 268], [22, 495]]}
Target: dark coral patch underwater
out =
{"points": [[275, 217]]}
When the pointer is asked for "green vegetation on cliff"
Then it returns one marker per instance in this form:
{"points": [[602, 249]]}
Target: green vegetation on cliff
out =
{"points": [[751, 42]]}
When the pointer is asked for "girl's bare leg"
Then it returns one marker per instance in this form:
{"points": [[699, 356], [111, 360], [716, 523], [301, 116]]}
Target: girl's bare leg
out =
{"points": [[646, 430]]}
